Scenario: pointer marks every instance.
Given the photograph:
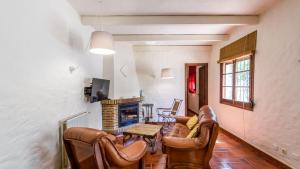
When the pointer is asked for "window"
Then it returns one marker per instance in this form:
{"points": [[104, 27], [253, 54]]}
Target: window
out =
{"points": [[237, 82], [237, 72]]}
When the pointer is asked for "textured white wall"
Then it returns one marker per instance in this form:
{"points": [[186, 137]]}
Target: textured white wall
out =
{"points": [[151, 59], [126, 85], [108, 73], [276, 116], [93, 65], [39, 41]]}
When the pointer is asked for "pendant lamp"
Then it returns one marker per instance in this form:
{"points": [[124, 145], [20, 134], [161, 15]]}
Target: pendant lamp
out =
{"points": [[101, 43]]}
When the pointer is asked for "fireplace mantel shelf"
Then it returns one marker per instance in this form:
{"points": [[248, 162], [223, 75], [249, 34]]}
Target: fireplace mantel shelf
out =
{"points": [[121, 101]]}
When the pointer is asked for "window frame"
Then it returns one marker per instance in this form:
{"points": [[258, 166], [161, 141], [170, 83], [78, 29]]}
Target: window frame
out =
{"points": [[243, 105]]}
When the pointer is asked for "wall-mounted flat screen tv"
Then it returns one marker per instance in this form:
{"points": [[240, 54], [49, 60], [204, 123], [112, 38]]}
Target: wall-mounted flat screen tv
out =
{"points": [[100, 90]]}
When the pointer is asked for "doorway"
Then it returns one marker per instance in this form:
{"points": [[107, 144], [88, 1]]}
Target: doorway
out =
{"points": [[196, 87]]}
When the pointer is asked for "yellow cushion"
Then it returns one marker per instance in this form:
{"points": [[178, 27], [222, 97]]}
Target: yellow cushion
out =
{"points": [[192, 122], [193, 132]]}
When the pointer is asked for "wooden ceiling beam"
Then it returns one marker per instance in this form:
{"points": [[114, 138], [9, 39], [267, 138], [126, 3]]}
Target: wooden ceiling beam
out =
{"points": [[170, 20], [145, 38]]}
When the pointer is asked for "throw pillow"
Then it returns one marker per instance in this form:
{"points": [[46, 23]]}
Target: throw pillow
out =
{"points": [[193, 132], [192, 122]]}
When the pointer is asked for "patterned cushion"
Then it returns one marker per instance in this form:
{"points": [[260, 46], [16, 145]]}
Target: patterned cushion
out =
{"points": [[192, 122], [193, 133]]}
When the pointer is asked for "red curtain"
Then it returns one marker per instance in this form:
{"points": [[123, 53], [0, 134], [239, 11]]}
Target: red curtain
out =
{"points": [[192, 79]]}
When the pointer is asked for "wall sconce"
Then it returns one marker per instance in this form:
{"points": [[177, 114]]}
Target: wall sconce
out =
{"points": [[72, 68]]}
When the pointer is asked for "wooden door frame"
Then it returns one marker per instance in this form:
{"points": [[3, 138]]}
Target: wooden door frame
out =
{"points": [[186, 65]]}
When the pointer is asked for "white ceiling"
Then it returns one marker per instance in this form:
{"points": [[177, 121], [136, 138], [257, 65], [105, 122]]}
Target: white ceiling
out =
{"points": [[172, 7], [126, 17]]}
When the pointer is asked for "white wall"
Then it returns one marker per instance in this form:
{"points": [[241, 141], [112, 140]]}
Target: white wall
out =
{"points": [[127, 84], [151, 59], [108, 73], [276, 116], [94, 67], [39, 41]]}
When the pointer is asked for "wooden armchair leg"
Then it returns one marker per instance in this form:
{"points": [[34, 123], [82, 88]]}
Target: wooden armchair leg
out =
{"points": [[141, 163]]}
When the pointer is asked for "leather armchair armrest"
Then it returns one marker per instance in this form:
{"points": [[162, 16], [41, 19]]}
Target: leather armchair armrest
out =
{"points": [[111, 137], [179, 143], [126, 156], [182, 119], [135, 151]]}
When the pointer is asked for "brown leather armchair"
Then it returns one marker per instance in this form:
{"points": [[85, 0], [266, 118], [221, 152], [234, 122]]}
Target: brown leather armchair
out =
{"points": [[192, 153], [95, 149]]}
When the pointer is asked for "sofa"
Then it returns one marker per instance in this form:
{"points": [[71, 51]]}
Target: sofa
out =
{"points": [[89, 148], [192, 153]]}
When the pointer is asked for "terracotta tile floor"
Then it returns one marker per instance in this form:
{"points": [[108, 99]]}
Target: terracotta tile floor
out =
{"points": [[231, 154], [228, 154]]}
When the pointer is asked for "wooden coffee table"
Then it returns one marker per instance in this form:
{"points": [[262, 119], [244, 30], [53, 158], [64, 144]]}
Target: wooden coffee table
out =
{"points": [[147, 131]]}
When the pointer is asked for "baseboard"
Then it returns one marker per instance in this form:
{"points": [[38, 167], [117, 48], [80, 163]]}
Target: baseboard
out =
{"points": [[264, 155]]}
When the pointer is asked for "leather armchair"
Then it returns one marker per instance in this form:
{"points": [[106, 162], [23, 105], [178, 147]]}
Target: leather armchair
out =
{"points": [[95, 149], [192, 153]]}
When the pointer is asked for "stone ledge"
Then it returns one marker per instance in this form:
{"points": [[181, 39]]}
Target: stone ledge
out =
{"points": [[121, 101]]}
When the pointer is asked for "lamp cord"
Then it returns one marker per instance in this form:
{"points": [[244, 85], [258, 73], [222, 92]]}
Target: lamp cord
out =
{"points": [[99, 18]]}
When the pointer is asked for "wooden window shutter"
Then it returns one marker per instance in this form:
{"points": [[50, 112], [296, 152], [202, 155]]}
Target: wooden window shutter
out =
{"points": [[241, 47]]}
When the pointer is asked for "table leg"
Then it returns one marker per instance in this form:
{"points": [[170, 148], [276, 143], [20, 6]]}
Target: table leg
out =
{"points": [[152, 142], [141, 163], [151, 114], [161, 132], [125, 138]]}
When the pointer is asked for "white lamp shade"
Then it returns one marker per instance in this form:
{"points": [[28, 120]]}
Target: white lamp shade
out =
{"points": [[101, 43], [167, 73]]}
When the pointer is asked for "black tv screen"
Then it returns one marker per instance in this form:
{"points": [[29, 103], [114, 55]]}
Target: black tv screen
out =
{"points": [[100, 89]]}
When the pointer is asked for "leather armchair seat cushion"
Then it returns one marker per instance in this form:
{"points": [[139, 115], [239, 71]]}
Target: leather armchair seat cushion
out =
{"points": [[179, 130]]}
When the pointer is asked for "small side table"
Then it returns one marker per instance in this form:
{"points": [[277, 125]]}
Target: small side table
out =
{"points": [[148, 111]]}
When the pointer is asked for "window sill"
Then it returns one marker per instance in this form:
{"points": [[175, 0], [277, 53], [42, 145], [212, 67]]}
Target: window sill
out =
{"points": [[237, 105]]}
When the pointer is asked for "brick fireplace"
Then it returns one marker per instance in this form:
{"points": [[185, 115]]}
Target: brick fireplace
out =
{"points": [[128, 114], [119, 113]]}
